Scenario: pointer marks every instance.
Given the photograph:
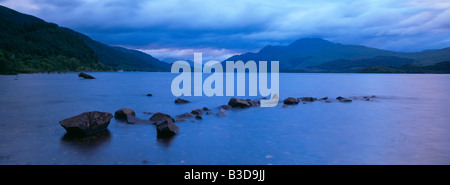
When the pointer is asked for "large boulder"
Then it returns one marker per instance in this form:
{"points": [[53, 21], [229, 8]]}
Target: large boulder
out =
{"points": [[158, 117], [166, 128], [236, 102], [85, 76], [181, 101], [124, 113], [87, 123], [290, 101]]}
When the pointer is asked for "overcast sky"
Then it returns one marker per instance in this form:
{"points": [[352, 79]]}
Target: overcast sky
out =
{"points": [[219, 29]]}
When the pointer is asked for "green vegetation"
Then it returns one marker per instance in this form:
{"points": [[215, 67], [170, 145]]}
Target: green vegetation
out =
{"points": [[441, 67], [29, 45], [38, 46]]}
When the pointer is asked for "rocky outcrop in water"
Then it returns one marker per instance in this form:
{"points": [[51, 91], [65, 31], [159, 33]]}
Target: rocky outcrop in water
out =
{"points": [[166, 128], [238, 103], [181, 101], [85, 76], [308, 99], [87, 123], [159, 116], [124, 113], [290, 101], [197, 112]]}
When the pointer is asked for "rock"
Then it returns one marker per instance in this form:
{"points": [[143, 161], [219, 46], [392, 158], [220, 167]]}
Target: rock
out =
{"points": [[181, 101], [254, 103], [285, 106], [149, 94], [206, 109], [185, 115], [198, 117], [324, 98], [236, 102], [373, 96], [123, 113], [340, 98], [309, 99], [345, 100], [158, 117], [197, 112], [221, 114], [225, 107], [134, 120], [87, 123], [209, 113], [166, 128], [180, 120], [290, 101], [85, 76]]}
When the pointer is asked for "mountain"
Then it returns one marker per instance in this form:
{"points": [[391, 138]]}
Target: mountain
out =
{"points": [[190, 62], [122, 58], [29, 44], [441, 67], [318, 55]]}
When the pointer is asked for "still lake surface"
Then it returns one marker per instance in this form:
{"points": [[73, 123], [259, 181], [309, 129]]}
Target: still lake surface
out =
{"points": [[408, 122]]}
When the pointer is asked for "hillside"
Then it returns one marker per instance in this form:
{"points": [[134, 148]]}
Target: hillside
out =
{"points": [[318, 55], [29, 44], [122, 58]]}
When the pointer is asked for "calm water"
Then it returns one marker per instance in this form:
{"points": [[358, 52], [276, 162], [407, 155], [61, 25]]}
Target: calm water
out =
{"points": [[408, 122]]}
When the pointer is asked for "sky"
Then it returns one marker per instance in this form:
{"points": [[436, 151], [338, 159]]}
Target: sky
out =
{"points": [[220, 29]]}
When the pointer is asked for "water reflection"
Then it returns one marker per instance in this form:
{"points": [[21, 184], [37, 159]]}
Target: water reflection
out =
{"points": [[86, 142], [165, 140]]}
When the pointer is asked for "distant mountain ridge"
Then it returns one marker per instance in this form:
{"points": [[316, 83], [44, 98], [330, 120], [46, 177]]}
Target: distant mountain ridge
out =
{"points": [[319, 55], [29, 44]]}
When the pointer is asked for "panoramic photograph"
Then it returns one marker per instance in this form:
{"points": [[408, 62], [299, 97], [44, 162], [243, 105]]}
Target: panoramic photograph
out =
{"points": [[238, 82]]}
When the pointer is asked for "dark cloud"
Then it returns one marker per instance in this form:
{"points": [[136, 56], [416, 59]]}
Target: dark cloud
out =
{"points": [[247, 25]]}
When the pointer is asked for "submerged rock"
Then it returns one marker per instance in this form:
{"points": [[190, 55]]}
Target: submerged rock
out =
{"points": [[209, 113], [123, 113], [158, 117], [236, 102], [185, 115], [197, 112], [181, 101], [206, 109], [225, 107], [309, 99], [87, 123], [166, 128], [85, 76], [198, 117], [135, 120], [290, 101], [345, 100], [340, 98], [254, 103], [221, 114]]}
